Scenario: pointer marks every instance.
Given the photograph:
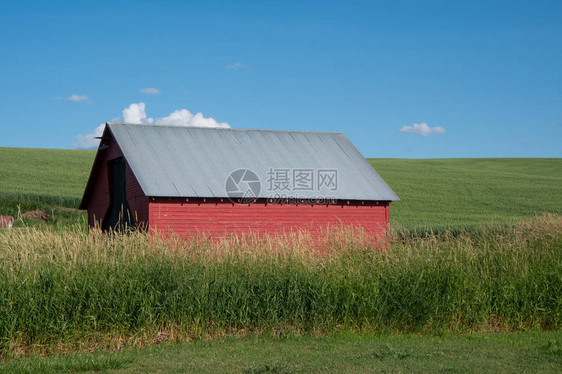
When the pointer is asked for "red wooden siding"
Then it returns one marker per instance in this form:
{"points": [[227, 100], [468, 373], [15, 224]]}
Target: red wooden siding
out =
{"points": [[98, 202], [218, 218]]}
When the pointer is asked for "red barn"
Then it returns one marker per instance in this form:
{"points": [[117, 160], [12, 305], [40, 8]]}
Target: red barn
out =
{"points": [[224, 181]]}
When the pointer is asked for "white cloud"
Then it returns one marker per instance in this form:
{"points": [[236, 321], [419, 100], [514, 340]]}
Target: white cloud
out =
{"points": [[183, 117], [422, 129], [152, 91], [78, 98], [75, 98], [89, 141], [135, 113], [237, 65]]}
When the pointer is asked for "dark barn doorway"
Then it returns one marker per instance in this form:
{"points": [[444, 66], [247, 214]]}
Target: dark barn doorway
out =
{"points": [[118, 216]]}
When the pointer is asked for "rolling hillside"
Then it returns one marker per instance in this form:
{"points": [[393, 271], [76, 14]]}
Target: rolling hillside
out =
{"points": [[466, 192], [434, 193]]}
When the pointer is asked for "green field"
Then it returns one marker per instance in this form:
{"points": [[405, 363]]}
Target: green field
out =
{"points": [[45, 179], [469, 192], [45, 176], [434, 194], [430, 303]]}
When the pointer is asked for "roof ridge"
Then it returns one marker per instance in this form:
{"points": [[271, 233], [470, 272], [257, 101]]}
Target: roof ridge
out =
{"points": [[194, 163], [221, 128]]}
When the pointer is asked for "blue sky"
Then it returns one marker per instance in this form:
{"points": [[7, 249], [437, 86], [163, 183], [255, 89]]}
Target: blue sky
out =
{"points": [[478, 79]]}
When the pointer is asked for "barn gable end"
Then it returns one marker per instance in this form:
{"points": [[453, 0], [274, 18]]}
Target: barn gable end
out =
{"points": [[96, 199]]}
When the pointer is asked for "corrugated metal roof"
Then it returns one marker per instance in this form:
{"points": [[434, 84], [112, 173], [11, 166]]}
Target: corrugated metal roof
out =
{"points": [[173, 161]]}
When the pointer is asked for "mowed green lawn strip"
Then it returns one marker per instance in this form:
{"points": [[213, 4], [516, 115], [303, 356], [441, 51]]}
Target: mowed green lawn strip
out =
{"points": [[441, 193], [490, 353]]}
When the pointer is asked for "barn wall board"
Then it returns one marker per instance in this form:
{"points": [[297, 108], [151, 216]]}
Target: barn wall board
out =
{"points": [[187, 217]]}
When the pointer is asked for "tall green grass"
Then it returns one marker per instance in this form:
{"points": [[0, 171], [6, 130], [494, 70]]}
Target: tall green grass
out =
{"points": [[71, 290]]}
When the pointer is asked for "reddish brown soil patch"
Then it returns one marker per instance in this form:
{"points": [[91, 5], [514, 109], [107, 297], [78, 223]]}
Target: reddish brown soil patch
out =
{"points": [[37, 215]]}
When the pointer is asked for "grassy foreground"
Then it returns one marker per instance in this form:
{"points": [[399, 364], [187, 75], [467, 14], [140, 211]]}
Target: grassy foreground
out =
{"points": [[62, 290], [521, 352], [68, 291]]}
